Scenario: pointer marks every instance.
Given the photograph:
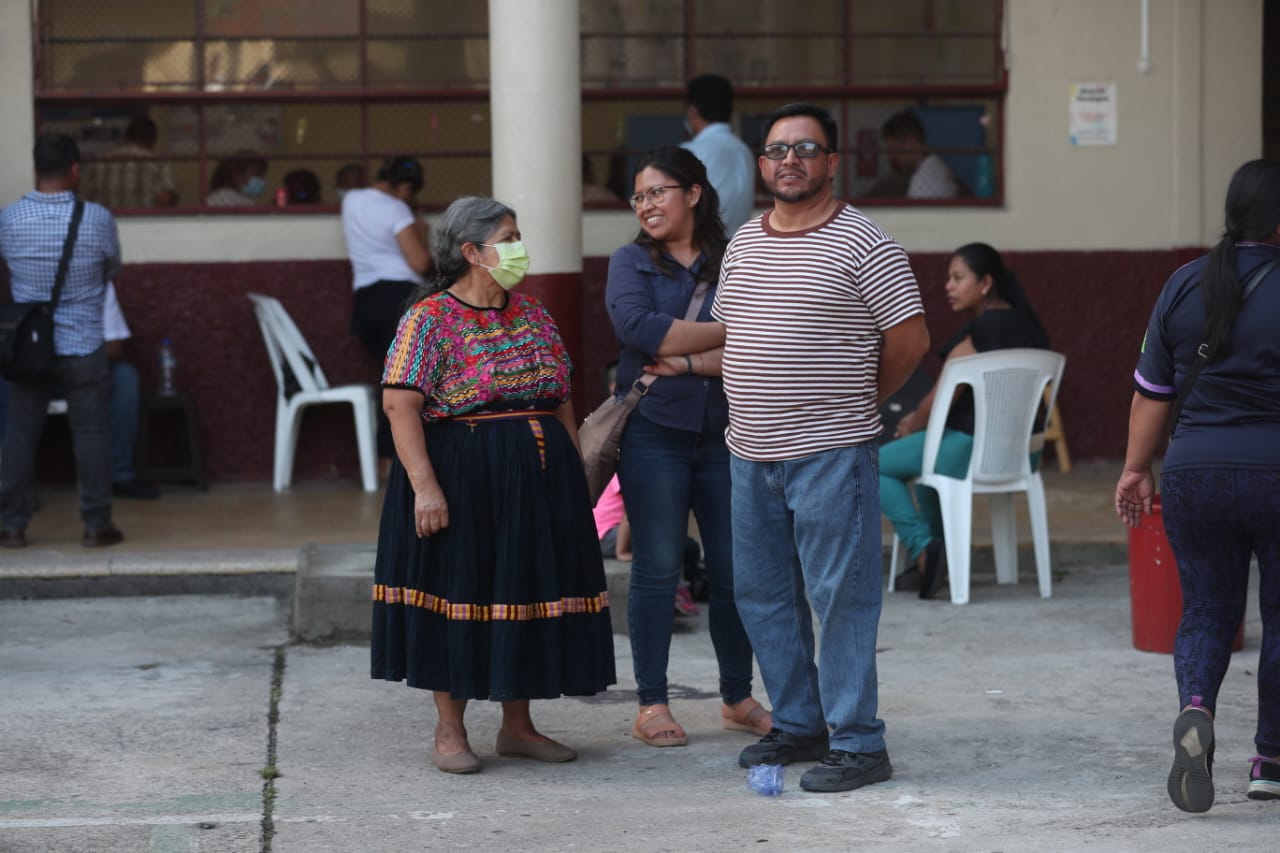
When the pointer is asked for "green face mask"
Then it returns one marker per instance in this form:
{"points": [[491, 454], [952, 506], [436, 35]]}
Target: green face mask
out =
{"points": [[513, 263]]}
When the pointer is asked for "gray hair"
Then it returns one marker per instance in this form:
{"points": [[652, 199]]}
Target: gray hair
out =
{"points": [[470, 219]]}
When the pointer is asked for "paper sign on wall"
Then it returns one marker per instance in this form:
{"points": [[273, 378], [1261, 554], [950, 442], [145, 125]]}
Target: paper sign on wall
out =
{"points": [[1092, 114]]}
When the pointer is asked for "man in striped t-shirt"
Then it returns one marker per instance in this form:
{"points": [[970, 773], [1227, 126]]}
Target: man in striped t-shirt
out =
{"points": [[824, 321]]}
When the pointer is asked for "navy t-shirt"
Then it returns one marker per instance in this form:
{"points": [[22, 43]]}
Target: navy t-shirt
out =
{"points": [[995, 328], [1232, 416]]}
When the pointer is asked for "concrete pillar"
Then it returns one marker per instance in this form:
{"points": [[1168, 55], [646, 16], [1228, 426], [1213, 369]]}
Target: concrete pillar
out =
{"points": [[17, 131], [534, 95]]}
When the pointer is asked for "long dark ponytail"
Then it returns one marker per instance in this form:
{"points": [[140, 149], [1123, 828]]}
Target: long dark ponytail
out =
{"points": [[1252, 215], [984, 260]]}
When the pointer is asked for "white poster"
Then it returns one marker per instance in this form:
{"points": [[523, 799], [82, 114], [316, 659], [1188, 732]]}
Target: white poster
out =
{"points": [[1092, 114]]}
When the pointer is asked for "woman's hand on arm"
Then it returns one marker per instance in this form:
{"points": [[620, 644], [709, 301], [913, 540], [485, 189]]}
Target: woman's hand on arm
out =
{"points": [[1135, 491], [412, 240], [706, 363], [403, 409]]}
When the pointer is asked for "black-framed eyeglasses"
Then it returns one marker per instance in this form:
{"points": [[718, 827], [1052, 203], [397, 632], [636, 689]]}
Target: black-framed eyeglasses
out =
{"points": [[654, 194], [804, 150]]}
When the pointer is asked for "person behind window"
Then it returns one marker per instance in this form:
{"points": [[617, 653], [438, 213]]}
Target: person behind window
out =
{"points": [[1220, 479], [131, 177], [673, 457], [730, 163], [488, 580], [387, 245], [301, 187], [999, 316], [903, 138], [591, 191], [349, 177], [237, 182]]}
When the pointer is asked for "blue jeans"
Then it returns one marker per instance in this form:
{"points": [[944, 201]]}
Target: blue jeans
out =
{"points": [[86, 382], [812, 526], [663, 473], [900, 463], [1216, 520]]}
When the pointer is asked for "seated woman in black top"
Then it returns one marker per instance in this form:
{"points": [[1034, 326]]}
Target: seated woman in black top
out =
{"points": [[981, 286]]}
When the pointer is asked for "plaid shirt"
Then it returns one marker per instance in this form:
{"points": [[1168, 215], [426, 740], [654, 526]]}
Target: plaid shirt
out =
{"points": [[32, 231]]}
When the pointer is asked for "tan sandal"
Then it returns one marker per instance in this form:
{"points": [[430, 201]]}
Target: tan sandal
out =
{"points": [[747, 716], [656, 727]]}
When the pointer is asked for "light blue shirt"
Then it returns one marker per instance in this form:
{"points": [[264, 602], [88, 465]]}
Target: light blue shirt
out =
{"points": [[32, 231], [731, 169]]}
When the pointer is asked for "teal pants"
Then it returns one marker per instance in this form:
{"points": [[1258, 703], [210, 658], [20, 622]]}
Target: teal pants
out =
{"points": [[900, 462]]}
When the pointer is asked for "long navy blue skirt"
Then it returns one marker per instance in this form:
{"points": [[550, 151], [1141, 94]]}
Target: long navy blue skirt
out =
{"points": [[509, 601]]}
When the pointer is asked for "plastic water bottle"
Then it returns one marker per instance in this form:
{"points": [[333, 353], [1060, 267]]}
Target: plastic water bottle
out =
{"points": [[168, 369], [984, 180]]}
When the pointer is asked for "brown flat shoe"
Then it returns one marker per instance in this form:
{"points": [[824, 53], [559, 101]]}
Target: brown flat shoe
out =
{"points": [[656, 727], [109, 535], [460, 763], [538, 750], [746, 716]]}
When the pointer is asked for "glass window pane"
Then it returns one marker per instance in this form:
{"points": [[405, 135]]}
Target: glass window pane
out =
{"points": [[120, 66], [644, 61], [428, 63], [270, 63], [766, 61], [632, 17], [433, 128], [258, 18], [923, 16], [111, 19], [915, 60], [764, 17], [426, 17]]}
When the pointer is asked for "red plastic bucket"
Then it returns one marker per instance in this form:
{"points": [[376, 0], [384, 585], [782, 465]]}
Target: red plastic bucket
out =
{"points": [[1155, 593]]}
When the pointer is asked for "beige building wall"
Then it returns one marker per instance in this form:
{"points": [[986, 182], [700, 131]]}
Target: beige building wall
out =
{"points": [[1183, 128]]}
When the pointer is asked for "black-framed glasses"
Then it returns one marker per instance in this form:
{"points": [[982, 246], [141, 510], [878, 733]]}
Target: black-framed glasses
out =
{"points": [[804, 150], [654, 194]]}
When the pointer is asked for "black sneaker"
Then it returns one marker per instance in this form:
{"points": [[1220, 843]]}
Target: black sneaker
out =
{"points": [[1264, 779], [935, 569], [778, 747], [1191, 777], [843, 771]]}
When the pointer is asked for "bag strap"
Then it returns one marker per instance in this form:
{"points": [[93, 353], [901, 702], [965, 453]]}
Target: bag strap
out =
{"points": [[67, 246], [1202, 354]]}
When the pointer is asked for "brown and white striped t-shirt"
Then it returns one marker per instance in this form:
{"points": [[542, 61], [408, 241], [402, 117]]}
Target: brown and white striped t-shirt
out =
{"points": [[804, 312]]}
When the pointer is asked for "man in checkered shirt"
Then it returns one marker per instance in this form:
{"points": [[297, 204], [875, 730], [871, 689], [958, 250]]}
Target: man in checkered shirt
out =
{"points": [[32, 232]]}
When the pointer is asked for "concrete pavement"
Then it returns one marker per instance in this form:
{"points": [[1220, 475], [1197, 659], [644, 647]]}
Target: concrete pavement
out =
{"points": [[1014, 723]]}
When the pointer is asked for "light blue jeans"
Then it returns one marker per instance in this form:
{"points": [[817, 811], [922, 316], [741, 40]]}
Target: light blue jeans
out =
{"points": [[808, 530]]}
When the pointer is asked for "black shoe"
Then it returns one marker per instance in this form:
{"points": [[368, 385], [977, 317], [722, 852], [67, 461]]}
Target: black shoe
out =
{"points": [[109, 535], [137, 489], [908, 581], [843, 771], [1191, 777], [935, 569], [778, 747], [13, 538]]}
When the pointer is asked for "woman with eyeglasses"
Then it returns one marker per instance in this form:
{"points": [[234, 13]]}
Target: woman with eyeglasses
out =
{"points": [[673, 457], [387, 245], [488, 583]]}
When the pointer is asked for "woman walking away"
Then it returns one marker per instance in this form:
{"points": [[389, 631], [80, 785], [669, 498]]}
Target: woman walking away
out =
{"points": [[1212, 345], [673, 457], [488, 582]]}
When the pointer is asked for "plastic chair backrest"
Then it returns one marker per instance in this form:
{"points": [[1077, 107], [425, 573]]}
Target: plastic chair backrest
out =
{"points": [[1008, 391], [292, 360]]}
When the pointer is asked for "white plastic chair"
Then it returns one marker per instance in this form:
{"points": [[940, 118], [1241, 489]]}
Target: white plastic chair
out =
{"points": [[292, 359], [1008, 386]]}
